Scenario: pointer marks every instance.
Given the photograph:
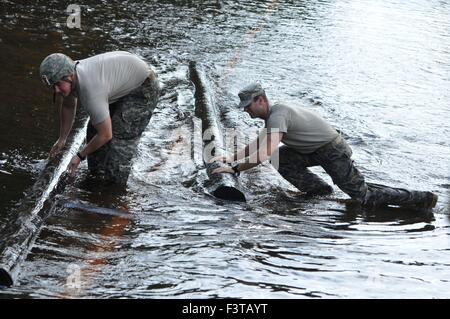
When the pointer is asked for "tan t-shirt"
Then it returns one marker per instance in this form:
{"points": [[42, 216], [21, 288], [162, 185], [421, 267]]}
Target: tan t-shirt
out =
{"points": [[105, 78], [304, 130]]}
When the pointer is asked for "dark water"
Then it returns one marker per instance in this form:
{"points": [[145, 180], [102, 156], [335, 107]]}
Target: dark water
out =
{"points": [[379, 71]]}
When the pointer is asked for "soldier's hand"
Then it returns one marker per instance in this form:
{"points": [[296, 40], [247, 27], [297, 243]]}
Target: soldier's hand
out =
{"points": [[224, 169], [73, 165], [221, 158], [57, 147]]}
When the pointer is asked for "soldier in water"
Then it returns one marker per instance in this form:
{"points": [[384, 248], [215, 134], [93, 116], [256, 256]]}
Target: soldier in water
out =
{"points": [[119, 91], [310, 141]]}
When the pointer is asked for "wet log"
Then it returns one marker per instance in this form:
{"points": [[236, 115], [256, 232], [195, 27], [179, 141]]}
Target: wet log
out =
{"points": [[224, 186], [18, 235]]}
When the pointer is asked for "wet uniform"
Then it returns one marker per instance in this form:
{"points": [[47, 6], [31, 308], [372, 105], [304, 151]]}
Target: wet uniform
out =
{"points": [[122, 86], [310, 141]]}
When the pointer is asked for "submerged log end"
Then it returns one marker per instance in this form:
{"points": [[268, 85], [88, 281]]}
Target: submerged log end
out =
{"points": [[5, 278], [229, 193], [223, 186]]}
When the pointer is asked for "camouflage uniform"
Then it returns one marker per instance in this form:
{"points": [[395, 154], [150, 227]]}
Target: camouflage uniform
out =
{"points": [[335, 158], [129, 116]]}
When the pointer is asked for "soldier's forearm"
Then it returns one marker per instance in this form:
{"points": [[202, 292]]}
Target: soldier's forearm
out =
{"points": [[245, 166], [94, 144], [67, 117]]}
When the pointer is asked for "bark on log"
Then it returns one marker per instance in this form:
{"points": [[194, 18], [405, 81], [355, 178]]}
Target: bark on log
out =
{"points": [[20, 233], [225, 186]]}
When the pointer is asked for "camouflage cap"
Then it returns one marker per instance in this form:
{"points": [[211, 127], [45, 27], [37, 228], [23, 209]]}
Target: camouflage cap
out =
{"points": [[55, 67], [247, 94]]}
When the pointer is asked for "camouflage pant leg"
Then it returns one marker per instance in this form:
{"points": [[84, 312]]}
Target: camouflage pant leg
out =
{"points": [[293, 166], [129, 116], [335, 158], [96, 160], [119, 158], [135, 110]]}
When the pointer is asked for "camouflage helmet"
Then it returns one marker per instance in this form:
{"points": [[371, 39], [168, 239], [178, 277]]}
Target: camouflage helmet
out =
{"points": [[55, 67]]}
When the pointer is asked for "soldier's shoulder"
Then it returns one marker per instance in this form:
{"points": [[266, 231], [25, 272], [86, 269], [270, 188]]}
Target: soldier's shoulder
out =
{"points": [[281, 107]]}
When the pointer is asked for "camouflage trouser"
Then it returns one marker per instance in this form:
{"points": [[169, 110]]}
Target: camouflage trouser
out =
{"points": [[335, 158], [129, 116]]}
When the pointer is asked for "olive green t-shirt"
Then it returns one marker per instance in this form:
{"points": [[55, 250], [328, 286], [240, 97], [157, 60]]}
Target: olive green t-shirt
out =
{"points": [[304, 130], [105, 78]]}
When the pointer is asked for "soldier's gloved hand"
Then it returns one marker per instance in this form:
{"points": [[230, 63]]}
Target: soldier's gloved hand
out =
{"points": [[57, 147], [73, 165]]}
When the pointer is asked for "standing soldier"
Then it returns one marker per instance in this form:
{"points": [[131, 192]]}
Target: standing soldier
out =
{"points": [[119, 91]]}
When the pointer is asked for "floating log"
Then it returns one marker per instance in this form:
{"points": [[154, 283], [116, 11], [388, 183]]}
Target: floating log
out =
{"points": [[19, 235], [224, 186]]}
